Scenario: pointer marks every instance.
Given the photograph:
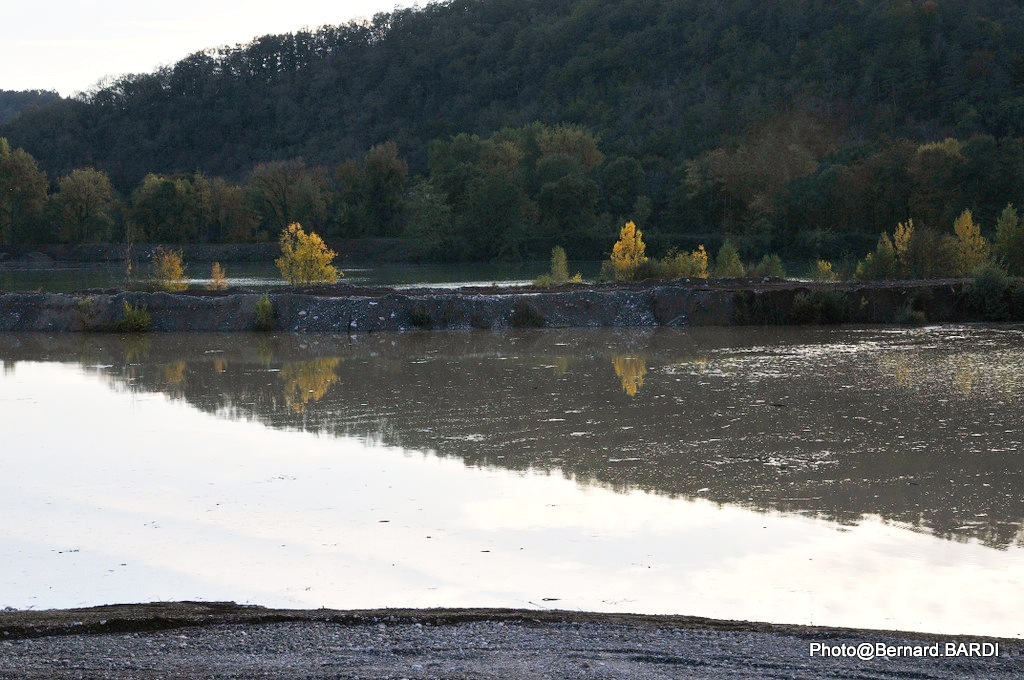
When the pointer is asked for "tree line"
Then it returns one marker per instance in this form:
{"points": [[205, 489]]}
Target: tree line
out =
{"points": [[520, 192], [801, 126]]}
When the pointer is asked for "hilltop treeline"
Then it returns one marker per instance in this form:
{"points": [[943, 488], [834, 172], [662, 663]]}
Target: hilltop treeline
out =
{"points": [[804, 125], [13, 103]]}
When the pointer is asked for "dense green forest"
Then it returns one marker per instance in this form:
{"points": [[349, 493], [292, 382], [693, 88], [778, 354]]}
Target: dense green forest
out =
{"points": [[498, 128], [13, 103]]}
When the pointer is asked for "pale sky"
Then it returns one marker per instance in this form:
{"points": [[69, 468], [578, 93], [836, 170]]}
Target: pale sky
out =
{"points": [[70, 45]]}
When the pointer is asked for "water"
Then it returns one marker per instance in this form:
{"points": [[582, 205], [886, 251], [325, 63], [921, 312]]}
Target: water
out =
{"points": [[66, 277], [845, 477]]}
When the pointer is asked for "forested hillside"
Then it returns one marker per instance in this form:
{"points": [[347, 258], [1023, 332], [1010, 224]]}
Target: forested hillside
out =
{"points": [[13, 102], [802, 124]]}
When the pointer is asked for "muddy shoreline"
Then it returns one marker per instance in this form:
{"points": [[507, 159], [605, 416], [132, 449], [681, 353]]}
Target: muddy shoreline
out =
{"points": [[225, 640], [349, 309]]}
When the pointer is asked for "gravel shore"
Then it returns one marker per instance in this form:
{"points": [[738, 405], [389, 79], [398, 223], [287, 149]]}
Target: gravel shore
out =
{"points": [[223, 640]]}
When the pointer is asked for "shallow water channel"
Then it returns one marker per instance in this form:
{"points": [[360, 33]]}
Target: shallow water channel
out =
{"points": [[850, 477]]}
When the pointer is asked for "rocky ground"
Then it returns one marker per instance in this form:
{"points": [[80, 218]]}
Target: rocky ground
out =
{"points": [[190, 640], [349, 309]]}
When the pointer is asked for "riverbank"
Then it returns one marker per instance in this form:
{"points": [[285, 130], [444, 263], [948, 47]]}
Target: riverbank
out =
{"points": [[350, 309], [225, 640]]}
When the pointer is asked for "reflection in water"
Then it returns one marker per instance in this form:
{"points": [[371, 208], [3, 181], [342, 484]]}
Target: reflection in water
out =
{"points": [[631, 371], [710, 478], [307, 382], [920, 427]]}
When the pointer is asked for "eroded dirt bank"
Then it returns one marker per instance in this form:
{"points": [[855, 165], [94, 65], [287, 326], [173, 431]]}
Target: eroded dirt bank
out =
{"points": [[344, 308], [224, 640]]}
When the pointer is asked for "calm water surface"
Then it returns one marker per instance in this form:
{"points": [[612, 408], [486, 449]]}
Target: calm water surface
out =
{"points": [[853, 477], [71, 277]]}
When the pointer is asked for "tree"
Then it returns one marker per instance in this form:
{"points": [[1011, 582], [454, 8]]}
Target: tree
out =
{"points": [[972, 249], [728, 263], [428, 223], [169, 270], [165, 209], [1009, 244], [218, 277], [385, 175], [628, 253], [85, 206], [901, 241], [285, 192], [305, 258], [879, 265], [226, 215], [22, 194]]}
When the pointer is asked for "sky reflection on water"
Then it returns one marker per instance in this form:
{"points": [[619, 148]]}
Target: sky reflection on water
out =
{"points": [[146, 492]]}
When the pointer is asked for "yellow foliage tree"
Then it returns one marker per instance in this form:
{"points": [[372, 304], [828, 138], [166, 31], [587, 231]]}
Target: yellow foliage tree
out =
{"points": [[972, 249], [901, 245], [169, 270], [305, 258], [628, 252], [218, 277]]}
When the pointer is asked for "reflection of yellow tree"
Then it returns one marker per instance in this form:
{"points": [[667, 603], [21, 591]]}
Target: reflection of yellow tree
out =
{"points": [[308, 381], [631, 371], [965, 373], [265, 351], [174, 374], [136, 347]]}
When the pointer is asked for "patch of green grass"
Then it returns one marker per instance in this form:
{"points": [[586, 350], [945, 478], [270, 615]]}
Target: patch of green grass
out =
{"points": [[134, 320]]}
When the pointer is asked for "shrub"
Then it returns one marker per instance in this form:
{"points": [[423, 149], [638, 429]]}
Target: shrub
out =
{"points": [[85, 313], [987, 293], [559, 273], [770, 266], [134, 320], [169, 270], [266, 317], [677, 265], [218, 277], [305, 258], [420, 317], [818, 307], [728, 263], [525, 316]]}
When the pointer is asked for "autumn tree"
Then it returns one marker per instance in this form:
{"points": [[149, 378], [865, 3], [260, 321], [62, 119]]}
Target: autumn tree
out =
{"points": [[169, 270], [85, 206], [305, 258], [971, 248], [628, 253], [901, 241]]}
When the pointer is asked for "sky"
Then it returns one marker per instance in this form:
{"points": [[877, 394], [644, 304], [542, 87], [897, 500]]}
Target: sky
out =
{"points": [[69, 45]]}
